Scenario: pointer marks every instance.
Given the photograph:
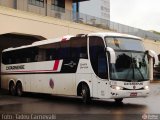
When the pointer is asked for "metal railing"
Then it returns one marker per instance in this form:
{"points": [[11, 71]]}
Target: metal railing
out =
{"points": [[61, 13]]}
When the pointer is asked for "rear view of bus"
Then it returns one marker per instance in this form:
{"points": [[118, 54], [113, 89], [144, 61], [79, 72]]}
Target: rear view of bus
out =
{"points": [[124, 63]]}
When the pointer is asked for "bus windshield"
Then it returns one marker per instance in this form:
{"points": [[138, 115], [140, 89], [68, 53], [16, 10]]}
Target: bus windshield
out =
{"points": [[121, 43], [131, 59]]}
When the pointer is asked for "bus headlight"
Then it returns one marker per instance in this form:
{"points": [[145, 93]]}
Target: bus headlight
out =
{"points": [[116, 87], [146, 87]]}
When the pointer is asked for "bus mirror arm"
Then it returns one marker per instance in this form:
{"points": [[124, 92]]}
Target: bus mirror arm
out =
{"points": [[154, 55], [112, 55]]}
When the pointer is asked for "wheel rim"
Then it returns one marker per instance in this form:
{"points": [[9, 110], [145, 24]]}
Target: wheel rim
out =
{"points": [[19, 90], [84, 94], [12, 89]]}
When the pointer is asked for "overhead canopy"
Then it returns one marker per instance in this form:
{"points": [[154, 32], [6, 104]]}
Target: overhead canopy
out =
{"points": [[17, 39]]}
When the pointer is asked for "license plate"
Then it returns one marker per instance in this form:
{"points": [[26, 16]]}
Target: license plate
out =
{"points": [[133, 94]]}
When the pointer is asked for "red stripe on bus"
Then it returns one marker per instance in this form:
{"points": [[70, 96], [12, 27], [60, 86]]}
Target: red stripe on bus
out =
{"points": [[56, 64]]}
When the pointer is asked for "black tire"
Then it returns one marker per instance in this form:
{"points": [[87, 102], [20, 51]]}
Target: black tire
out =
{"points": [[19, 90], [119, 100], [12, 90], [85, 94]]}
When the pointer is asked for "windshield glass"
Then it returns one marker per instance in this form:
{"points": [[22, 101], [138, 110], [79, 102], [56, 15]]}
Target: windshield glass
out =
{"points": [[120, 43], [131, 60], [129, 66]]}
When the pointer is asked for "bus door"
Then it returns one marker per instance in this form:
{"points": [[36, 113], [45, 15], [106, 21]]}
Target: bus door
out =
{"points": [[102, 83], [98, 61]]}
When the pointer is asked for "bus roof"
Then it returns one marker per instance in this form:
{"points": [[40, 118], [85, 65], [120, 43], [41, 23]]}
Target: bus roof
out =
{"points": [[67, 37], [42, 42], [104, 34]]}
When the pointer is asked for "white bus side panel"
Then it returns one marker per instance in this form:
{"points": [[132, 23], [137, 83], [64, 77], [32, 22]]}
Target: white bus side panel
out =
{"points": [[63, 84], [98, 87], [84, 74], [40, 77]]}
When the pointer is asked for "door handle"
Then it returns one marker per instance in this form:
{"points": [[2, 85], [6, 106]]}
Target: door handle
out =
{"points": [[98, 82]]}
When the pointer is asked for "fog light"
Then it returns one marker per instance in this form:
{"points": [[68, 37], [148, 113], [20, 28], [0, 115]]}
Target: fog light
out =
{"points": [[118, 88]]}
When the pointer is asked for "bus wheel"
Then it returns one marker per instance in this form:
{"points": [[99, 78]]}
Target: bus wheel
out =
{"points": [[19, 90], [119, 100], [12, 90], [85, 94]]}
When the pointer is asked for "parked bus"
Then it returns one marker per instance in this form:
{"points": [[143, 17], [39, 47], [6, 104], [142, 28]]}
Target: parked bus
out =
{"points": [[93, 66]]}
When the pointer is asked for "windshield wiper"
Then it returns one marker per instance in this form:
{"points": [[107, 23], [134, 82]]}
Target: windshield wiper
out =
{"points": [[140, 73]]}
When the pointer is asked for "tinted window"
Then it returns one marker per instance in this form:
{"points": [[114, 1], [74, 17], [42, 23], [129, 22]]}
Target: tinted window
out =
{"points": [[79, 47], [20, 56], [119, 43], [49, 52], [71, 49], [65, 51], [98, 56], [102, 66]]}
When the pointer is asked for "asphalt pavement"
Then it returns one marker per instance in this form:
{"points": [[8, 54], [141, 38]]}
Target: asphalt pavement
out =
{"points": [[65, 108]]}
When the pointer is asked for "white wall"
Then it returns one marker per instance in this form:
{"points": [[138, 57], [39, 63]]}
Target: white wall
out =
{"points": [[95, 8]]}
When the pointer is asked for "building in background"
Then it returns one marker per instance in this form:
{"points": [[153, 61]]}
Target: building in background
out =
{"points": [[25, 21], [97, 8]]}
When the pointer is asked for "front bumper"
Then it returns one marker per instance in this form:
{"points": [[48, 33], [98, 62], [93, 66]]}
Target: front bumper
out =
{"points": [[129, 93]]}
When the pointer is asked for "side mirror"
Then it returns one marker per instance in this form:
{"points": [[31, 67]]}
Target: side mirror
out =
{"points": [[154, 55], [112, 54]]}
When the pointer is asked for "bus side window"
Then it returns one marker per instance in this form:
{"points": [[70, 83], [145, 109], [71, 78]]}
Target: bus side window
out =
{"points": [[42, 55], [10, 58], [48, 52], [29, 55], [64, 51], [51, 54], [98, 56], [5, 58], [79, 47], [102, 66]]}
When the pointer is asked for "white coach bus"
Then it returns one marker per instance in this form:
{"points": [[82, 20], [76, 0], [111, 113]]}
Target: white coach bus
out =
{"points": [[93, 66]]}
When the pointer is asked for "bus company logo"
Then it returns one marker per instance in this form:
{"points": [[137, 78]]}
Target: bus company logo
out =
{"points": [[133, 83], [18, 67], [51, 83]]}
